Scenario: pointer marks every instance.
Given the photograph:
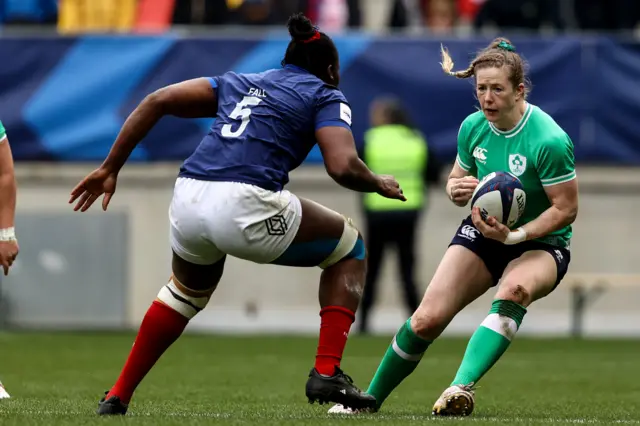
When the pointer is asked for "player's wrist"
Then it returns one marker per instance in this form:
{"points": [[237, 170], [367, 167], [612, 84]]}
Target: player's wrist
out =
{"points": [[449, 189], [110, 167], [378, 183], [7, 234], [515, 237]]}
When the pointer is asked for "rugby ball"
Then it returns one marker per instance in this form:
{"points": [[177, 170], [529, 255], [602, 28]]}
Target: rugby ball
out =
{"points": [[501, 195]]}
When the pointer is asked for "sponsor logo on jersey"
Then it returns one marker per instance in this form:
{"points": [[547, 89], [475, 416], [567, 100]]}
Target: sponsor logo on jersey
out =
{"points": [[468, 232], [345, 113], [517, 164], [480, 154]]}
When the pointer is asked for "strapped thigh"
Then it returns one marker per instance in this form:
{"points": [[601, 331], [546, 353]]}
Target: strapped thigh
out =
{"points": [[345, 245], [325, 252]]}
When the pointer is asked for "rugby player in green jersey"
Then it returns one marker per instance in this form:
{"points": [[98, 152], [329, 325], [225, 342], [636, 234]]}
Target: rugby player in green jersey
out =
{"points": [[506, 134], [8, 242]]}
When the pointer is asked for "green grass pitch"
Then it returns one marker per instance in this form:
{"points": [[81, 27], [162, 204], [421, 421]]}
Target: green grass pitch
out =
{"points": [[56, 379]]}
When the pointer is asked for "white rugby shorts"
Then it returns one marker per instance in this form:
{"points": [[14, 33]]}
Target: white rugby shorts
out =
{"points": [[211, 219]]}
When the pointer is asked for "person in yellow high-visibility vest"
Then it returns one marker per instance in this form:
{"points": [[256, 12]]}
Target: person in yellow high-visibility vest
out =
{"points": [[394, 146]]}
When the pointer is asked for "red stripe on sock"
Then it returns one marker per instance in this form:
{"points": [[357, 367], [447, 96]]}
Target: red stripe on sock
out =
{"points": [[335, 322], [160, 327]]}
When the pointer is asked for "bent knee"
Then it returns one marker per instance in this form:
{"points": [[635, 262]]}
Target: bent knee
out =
{"points": [[428, 325], [514, 292], [185, 301]]}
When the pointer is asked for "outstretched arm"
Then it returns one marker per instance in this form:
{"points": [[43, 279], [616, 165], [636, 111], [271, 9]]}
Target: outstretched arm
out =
{"points": [[189, 99], [342, 161], [345, 166]]}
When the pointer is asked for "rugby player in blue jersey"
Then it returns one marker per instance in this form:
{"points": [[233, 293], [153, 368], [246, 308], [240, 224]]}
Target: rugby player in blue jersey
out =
{"points": [[229, 199]]}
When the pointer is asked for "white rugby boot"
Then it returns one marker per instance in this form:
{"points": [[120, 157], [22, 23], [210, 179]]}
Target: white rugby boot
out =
{"points": [[3, 392], [456, 400], [341, 409]]}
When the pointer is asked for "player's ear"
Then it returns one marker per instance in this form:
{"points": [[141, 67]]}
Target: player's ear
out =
{"points": [[331, 72], [520, 91]]}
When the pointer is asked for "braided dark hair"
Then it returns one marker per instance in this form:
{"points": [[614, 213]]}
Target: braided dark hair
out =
{"points": [[311, 49]]}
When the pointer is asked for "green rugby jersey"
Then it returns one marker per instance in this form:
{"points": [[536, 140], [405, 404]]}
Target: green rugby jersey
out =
{"points": [[536, 150]]}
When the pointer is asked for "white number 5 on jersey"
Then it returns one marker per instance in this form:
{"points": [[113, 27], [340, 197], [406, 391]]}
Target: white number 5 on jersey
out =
{"points": [[241, 111]]}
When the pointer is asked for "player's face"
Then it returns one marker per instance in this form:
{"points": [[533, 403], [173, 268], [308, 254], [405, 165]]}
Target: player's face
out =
{"points": [[496, 94], [377, 115]]}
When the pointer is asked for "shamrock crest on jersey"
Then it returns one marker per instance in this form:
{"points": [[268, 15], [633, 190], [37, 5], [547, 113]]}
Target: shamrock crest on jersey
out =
{"points": [[517, 164]]}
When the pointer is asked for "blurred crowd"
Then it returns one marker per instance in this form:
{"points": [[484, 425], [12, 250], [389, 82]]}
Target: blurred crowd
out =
{"points": [[439, 16]]}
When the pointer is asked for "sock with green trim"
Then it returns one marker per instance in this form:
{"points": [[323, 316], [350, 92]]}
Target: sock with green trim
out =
{"points": [[401, 358], [490, 341]]}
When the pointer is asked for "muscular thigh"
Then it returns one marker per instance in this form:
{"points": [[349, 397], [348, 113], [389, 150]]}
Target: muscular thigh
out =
{"points": [[322, 232], [318, 223], [529, 277]]}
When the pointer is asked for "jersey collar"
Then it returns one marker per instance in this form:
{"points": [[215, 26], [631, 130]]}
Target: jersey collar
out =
{"points": [[523, 122], [295, 68]]}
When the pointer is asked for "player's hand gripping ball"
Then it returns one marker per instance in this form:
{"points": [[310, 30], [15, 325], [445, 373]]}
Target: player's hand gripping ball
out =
{"points": [[501, 195]]}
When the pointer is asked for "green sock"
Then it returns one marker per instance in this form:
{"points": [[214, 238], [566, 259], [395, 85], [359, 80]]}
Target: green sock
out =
{"points": [[401, 358], [490, 341]]}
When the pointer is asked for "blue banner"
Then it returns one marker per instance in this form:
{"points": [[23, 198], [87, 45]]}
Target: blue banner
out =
{"points": [[65, 99]]}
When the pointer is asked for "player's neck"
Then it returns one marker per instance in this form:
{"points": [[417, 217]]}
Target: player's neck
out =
{"points": [[512, 119]]}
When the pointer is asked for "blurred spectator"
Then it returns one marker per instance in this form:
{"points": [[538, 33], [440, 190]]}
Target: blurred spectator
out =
{"points": [[154, 16], [607, 14], [402, 12], [256, 12], [394, 146], [440, 16], [520, 14], [202, 12], [333, 15], [97, 15], [468, 9]]}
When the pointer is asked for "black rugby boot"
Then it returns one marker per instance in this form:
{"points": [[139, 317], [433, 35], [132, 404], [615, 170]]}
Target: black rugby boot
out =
{"points": [[338, 388]]}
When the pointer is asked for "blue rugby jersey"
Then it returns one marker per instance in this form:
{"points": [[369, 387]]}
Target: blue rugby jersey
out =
{"points": [[265, 126]]}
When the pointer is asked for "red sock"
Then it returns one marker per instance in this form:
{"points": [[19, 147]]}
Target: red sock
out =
{"points": [[335, 322], [160, 327]]}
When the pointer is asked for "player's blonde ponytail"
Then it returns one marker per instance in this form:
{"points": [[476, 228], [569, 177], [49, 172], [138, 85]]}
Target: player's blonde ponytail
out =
{"points": [[447, 65]]}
